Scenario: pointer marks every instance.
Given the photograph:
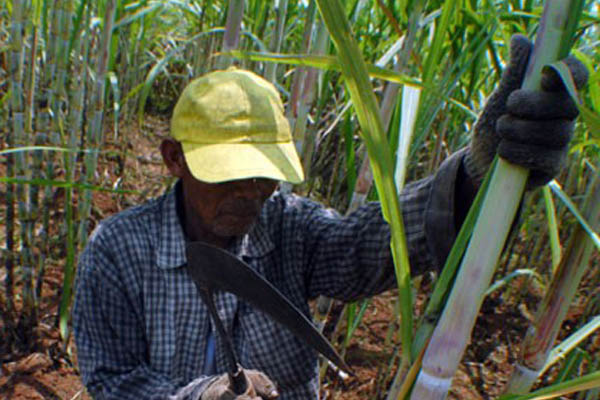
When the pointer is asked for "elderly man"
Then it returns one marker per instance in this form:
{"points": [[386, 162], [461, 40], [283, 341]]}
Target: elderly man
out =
{"points": [[141, 329]]}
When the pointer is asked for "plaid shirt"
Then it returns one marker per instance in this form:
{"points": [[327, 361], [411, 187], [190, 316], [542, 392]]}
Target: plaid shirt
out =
{"points": [[141, 327]]}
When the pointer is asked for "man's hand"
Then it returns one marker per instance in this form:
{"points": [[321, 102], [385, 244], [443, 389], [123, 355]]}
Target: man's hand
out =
{"points": [[259, 386], [528, 128]]}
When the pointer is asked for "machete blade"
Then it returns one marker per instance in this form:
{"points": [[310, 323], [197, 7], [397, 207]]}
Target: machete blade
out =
{"points": [[218, 269]]}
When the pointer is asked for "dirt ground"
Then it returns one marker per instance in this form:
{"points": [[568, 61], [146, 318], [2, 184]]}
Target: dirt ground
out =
{"points": [[50, 371]]}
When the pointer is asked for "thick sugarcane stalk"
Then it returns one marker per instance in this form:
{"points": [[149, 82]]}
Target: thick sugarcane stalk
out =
{"points": [[500, 204], [542, 333]]}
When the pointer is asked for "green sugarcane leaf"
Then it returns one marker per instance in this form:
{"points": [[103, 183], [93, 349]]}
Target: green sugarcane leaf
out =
{"points": [[591, 119], [593, 85], [555, 186], [323, 62], [141, 13], [568, 344], [48, 148], [330, 63], [365, 104], [161, 65], [582, 145], [508, 278], [432, 63], [552, 228], [571, 364], [563, 71], [586, 382], [65, 184]]}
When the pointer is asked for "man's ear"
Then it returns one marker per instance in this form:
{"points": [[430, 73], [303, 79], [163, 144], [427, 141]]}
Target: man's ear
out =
{"points": [[173, 157]]}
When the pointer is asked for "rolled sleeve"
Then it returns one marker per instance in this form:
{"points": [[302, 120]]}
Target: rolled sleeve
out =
{"points": [[439, 223], [350, 257]]}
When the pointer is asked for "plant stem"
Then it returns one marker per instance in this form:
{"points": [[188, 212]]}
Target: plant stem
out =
{"points": [[500, 204], [543, 331]]}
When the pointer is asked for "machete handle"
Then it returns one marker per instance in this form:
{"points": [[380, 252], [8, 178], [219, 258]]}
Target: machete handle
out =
{"points": [[237, 381]]}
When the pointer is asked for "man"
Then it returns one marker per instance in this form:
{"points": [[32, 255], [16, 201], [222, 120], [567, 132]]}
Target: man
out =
{"points": [[142, 330]]}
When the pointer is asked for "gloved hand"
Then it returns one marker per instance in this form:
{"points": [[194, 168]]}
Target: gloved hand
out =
{"points": [[259, 386], [528, 128]]}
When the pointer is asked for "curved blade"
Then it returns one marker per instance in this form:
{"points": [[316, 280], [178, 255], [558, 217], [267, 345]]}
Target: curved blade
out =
{"points": [[215, 268]]}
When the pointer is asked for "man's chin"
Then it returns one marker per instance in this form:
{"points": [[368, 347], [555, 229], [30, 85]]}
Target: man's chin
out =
{"points": [[235, 230]]}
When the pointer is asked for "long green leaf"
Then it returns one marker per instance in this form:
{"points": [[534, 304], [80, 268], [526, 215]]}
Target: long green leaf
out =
{"points": [[326, 63], [331, 63], [555, 186], [568, 344], [65, 184], [552, 228], [586, 382], [365, 104]]}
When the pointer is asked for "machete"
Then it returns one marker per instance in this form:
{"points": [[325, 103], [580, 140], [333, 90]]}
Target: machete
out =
{"points": [[216, 269], [237, 379]]}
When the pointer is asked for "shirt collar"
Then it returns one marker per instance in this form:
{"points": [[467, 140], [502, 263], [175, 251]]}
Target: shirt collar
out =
{"points": [[170, 251]]}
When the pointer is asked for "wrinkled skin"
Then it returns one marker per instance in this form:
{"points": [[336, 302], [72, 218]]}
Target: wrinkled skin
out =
{"points": [[215, 213]]}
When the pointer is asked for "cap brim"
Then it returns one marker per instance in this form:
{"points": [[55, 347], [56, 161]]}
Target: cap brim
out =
{"points": [[231, 161]]}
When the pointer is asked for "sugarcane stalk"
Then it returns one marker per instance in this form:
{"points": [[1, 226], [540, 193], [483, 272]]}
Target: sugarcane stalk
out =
{"points": [[542, 332], [11, 192], [28, 317], [94, 142], [231, 39], [500, 204], [277, 38], [75, 117], [37, 156], [300, 72], [301, 94], [45, 120], [304, 135]]}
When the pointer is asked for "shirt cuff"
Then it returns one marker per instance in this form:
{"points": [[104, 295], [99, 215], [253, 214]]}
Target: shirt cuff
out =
{"points": [[440, 229], [194, 389]]}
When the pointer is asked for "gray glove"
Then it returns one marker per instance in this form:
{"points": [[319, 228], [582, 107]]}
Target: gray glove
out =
{"points": [[528, 128], [259, 387]]}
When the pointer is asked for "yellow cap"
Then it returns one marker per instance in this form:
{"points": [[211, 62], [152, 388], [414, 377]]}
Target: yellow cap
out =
{"points": [[231, 126]]}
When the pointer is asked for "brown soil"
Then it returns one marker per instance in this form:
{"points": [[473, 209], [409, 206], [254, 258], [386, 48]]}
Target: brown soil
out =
{"points": [[50, 372]]}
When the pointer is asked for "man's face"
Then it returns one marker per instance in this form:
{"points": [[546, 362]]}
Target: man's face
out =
{"points": [[223, 210], [216, 212]]}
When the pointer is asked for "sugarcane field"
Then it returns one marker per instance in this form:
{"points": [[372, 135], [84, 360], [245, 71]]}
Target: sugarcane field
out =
{"points": [[314, 199]]}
